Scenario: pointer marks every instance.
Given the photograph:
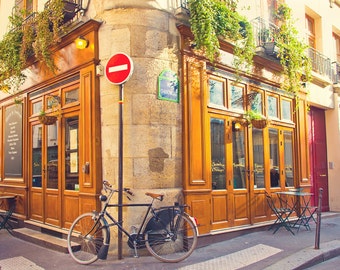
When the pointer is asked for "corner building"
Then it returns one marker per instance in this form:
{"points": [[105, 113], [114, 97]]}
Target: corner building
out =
{"points": [[187, 144]]}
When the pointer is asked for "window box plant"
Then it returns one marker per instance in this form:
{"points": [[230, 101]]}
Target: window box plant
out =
{"points": [[256, 119], [50, 116]]}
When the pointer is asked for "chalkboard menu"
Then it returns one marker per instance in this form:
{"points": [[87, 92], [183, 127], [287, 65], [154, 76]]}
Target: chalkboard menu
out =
{"points": [[13, 141]]}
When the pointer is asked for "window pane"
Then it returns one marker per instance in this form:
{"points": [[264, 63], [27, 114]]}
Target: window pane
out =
{"points": [[71, 96], [288, 154], [52, 156], [255, 101], [274, 158], [286, 110], [258, 158], [239, 159], [36, 155], [217, 130], [236, 97], [37, 107], [272, 106], [71, 154], [216, 92]]}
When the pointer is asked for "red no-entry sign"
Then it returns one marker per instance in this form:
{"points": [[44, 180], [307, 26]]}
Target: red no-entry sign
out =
{"points": [[119, 68]]}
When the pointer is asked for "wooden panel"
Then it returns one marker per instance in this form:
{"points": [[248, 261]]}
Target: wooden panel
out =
{"points": [[260, 207], [200, 209], [220, 212], [241, 210], [36, 209], [52, 209], [70, 210]]}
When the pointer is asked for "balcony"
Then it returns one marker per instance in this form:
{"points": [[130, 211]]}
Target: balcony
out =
{"points": [[264, 36], [321, 64]]}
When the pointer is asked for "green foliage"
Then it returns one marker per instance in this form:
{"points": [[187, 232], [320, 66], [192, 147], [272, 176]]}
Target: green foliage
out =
{"points": [[253, 115], [211, 19], [27, 37], [292, 52]]}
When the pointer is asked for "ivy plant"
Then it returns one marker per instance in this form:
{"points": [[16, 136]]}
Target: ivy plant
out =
{"points": [[214, 19], [30, 35], [296, 65]]}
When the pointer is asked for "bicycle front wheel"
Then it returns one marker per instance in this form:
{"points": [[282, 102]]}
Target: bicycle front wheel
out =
{"points": [[175, 242], [85, 238]]}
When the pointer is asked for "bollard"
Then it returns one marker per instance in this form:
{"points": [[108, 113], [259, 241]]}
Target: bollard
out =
{"points": [[318, 221]]}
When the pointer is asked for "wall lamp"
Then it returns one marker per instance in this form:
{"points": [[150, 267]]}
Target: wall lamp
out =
{"points": [[81, 43]]}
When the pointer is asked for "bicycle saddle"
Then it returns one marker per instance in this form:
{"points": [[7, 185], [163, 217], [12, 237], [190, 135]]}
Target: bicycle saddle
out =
{"points": [[155, 196]]}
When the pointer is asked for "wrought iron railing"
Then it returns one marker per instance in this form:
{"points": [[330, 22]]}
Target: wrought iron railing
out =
{"points": [[264, 31], [336, 72], [183, 4], [321, 64]]}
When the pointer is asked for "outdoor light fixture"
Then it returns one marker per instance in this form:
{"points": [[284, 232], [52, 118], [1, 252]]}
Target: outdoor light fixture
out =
{"points": [[81, 43], [237, 125]]}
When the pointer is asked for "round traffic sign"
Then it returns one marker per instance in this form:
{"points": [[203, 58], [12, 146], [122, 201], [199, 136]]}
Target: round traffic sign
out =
{"points": [[119, 68]]}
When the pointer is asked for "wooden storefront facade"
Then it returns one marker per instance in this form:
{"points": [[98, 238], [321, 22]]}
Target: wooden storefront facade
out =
{"points": [[54, 168], [228, 165]]}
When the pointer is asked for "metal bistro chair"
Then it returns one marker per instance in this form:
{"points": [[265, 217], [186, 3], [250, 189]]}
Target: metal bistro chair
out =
{"points": [[282, 215], [5, 216]]}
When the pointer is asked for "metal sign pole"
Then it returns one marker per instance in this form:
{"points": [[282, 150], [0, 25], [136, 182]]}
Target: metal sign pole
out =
{"points": [[120, 170]]}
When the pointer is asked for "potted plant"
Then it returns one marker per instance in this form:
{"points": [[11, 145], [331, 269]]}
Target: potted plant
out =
{"points": [[50, 116], [214, 19], [256, 119]]}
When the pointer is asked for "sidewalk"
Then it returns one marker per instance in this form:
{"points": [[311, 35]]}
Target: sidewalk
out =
{"points": [[253, 251]]}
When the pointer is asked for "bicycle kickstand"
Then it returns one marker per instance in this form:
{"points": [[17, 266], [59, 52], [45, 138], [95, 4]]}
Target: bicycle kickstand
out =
{"points": [[135, 249]]}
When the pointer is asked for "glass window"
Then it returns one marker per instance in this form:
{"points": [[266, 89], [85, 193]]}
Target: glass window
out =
{"points": [[216, 90], [239, 156], [272, 106], [37, 107], [254, 99], [258, 158], [274, 158], [236, 92], [288, 155], [72, 96], [72, 154], [286, 110], [52, 156], [36, 155], [218, 168]]}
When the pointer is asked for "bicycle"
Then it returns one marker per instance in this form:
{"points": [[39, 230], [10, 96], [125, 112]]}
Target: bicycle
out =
{"points": [[168, 233]]}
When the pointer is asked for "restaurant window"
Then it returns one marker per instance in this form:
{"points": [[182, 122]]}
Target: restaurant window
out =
{"points": [[239, 158], [218, 166], [288, 157], [286, 110], [37, 155], [272, 104], [72, 153], [216, 92], [236, 96], [258, 156], [274, 157], [255, 101]]}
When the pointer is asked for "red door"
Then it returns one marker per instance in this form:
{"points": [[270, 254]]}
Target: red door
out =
{"points": [[318, 155]]}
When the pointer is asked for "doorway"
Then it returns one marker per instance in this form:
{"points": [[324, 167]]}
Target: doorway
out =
{"points": [[54, 156], [318, 155]]}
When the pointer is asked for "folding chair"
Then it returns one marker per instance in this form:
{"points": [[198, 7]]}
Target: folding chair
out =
{"points": [[282, 215], [5, 217]]}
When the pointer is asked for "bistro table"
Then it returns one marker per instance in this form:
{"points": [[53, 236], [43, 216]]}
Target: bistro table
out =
{"points": [[299, 202], [5, 215]]}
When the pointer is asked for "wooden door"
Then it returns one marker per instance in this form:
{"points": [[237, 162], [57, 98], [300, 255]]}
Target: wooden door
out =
{"points": [[44, 168], [318, 156]]}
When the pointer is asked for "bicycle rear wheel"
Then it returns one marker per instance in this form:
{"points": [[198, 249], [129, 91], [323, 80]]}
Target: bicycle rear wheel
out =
{"points": [[86, 237], [175, 242]]}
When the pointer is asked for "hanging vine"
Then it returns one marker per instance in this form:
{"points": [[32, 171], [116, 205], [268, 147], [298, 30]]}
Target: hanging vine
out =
{"points": [[296, 65], [29, 36], [214, 19]]}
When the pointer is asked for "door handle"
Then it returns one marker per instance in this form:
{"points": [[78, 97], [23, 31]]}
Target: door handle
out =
{"points": [[323, 175]]}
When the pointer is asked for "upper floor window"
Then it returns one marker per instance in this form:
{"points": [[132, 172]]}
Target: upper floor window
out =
{"points": [[28, 5], [337, 47], [310, 27]]}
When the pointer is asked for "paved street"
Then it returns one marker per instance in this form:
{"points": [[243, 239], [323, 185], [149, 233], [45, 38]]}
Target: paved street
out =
{"points": [[254, 251]]}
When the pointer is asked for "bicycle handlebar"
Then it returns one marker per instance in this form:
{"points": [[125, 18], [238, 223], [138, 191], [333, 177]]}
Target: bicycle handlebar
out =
{"points": [[108, 186]]}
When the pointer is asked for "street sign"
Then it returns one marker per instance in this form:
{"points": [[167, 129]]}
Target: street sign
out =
{"points": [[119, 68]]}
